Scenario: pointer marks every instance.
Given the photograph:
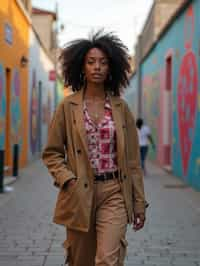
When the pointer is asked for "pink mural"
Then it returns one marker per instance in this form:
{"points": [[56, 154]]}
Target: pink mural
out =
{"points": [[33, 114], [187, 93], [16, 114]]}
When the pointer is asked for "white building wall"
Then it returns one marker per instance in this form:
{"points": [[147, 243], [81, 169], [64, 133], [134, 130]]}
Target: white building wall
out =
{"points": [[39, 66]]}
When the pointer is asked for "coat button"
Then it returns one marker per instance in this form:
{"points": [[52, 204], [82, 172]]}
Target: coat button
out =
{"points": [[79, 151], [85, 185]]}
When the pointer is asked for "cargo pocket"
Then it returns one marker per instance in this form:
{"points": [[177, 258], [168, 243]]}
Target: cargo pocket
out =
{"points": [[123, 248], [67, 248]]}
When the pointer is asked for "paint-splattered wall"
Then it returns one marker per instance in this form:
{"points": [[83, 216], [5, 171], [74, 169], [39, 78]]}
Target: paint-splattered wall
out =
{"points": [[14, 34], [171, 96], [41, 96], [131, 95]]}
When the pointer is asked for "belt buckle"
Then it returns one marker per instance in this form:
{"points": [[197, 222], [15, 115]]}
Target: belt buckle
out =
{"points": [[105, 177], [113, 174]]}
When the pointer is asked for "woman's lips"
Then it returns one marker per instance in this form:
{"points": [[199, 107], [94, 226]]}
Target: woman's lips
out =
{"points": [[95, 75]]}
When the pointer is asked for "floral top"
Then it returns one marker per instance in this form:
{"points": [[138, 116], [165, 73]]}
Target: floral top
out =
{"points": [[101, 139]]}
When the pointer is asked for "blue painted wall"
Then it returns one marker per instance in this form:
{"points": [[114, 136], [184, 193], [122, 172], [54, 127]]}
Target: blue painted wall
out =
{"points": [[131, 95], [182, 42]]}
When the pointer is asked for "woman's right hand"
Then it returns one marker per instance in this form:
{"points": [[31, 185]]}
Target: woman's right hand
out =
{"points": [[69, 184]]}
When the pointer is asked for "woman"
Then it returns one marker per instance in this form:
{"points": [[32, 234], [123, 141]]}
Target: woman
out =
{"points": [[144, 135], [93, 154]]}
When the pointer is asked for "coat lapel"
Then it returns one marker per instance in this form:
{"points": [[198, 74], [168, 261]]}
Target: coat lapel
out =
{"points": [[117, 117], [77, 100]]}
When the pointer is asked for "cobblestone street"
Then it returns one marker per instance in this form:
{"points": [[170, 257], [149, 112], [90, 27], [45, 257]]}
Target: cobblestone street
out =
{"points": [[171, 235]]}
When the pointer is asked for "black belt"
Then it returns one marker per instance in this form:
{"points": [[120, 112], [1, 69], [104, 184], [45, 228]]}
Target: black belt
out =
{"points": [[106, 176]]}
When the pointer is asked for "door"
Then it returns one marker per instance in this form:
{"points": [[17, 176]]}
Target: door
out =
{"points": [[167, 113], [8, 160]]}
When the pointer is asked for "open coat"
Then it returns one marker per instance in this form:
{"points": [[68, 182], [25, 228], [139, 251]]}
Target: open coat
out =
{"points": [[66, 156]]}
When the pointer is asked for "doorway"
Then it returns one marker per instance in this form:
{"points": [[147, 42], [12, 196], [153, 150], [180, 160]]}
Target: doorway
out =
{"points": [[8, 121], [167, 113]]}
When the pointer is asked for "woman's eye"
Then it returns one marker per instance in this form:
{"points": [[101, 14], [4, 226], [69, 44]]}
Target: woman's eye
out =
{"points": [[104, 62]]}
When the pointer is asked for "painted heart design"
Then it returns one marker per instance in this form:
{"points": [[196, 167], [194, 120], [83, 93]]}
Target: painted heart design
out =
{"points": [[187, 105]]}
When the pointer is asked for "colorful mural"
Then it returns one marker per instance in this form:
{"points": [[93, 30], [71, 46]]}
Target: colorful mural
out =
{"points": [[33, 114], [2, 108], [131, 96], [59, 91], [187, 93], [16, 119], [150, 105], [183, 40]]}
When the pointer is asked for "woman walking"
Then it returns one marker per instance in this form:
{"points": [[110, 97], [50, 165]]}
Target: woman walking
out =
{"points": [[144, 136], [93, 154]]}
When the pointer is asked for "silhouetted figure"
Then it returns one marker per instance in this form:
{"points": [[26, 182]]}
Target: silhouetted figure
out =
{"points": [[144, 136]]}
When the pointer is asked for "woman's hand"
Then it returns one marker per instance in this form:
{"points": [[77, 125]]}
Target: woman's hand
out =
{"points": [[70, 183], [138, 222]]}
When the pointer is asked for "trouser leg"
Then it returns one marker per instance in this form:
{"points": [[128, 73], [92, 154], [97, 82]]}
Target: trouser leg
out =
{"points": [[143, 154], [81, 246], [111, 223]]}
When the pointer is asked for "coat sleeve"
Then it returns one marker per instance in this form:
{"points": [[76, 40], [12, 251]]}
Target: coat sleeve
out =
{"points": [[54, 152], [134, 164]]}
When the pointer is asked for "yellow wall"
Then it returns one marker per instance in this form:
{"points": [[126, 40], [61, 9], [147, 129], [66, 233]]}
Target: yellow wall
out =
{"points": [[10, 55]]}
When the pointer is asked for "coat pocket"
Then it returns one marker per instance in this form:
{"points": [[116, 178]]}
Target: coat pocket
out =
{"points": [[67, 202], [73, 208]]}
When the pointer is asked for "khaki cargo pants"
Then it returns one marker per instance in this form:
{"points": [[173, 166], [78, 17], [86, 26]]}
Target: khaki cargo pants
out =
{"points": [[105, 243]]}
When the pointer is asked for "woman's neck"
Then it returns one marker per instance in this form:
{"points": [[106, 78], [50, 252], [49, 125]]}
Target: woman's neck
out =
{"points": [[94, 91]]}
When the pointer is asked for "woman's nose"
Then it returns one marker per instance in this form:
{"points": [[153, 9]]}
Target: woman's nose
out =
{"points": [[97, 65]]}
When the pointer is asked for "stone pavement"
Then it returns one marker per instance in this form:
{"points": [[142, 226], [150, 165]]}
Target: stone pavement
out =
{"points": [[171, 236]]}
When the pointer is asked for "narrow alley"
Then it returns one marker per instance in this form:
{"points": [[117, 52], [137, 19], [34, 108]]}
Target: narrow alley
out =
{"points": [[170, 236]]}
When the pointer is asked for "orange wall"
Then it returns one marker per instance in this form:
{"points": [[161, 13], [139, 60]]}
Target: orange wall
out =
{"points": [[10, 55]]}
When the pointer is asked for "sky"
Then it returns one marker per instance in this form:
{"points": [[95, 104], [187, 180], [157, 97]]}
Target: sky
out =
{"points": [[80, 17]]}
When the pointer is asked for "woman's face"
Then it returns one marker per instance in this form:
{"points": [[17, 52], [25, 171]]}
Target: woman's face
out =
{"points": [[96, 66]]}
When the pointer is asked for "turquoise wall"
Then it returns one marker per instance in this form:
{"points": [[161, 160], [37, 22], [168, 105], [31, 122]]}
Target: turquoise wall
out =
{"points": [[182, 42]]}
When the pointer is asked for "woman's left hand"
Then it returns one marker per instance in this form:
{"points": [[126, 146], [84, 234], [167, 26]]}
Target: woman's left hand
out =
{"points": [[138, 222]]}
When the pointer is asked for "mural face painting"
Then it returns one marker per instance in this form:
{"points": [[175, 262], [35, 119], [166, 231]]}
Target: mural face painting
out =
{"points": [[187, 95]]}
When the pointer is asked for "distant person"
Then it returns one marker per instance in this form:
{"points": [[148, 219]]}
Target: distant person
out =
{"points": [[144, 135], [93, 154]]}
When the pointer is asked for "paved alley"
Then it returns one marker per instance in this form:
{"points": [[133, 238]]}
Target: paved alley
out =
{"points": [[171, 235]]}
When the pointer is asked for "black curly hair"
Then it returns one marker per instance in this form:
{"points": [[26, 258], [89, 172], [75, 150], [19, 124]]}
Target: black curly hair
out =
{"points": [[73, 55]]}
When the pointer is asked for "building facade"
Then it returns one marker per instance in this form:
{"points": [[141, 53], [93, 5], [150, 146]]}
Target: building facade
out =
{"points": [[170, 99], [14, 50], [29, 91], [41, 95]]}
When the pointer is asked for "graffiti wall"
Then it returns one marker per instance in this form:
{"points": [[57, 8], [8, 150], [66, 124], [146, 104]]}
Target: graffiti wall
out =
{"points": [[181, 44], [59, 91], [13, 80], [150, 105], [41, 96], [131, 95], [16, 120]]}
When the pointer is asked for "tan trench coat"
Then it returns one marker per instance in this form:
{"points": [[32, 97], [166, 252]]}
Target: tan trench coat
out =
{"points": [[66, 156]]}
